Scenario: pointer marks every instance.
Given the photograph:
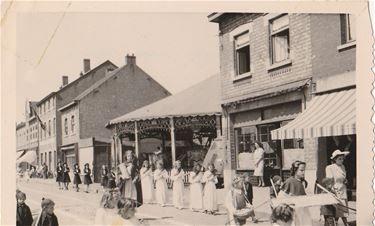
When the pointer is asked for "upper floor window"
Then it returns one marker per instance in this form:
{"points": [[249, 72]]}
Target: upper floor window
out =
{"points": [[49, 127], [279, 37], [45, 130], [72, 123], [44, 107], [66, 126], [54, 126], [49, 105], [242, 49], [348, 31]]}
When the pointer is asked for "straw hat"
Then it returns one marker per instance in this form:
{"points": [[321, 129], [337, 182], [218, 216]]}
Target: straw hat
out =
{"points": [[338, 152]]}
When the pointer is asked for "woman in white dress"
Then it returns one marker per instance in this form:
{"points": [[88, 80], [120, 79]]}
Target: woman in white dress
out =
{"points": [[259, 163], [209, 196], [177, 176], [160, 176], [338, 173], [196, 189], [147, 182], [128, 173]]}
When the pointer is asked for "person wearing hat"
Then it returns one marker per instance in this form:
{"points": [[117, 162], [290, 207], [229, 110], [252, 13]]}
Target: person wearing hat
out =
{"points": [[77, 176], [337, 171], [87, 177], [23, 217], [47, 217]]}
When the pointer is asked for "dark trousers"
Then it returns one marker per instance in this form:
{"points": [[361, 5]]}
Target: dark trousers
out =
{"points": [[329, 221]]}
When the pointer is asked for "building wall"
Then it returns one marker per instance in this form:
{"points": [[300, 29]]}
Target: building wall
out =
{"points": [[327, 59], [72, 135], [128, 90], [262, 77], [21, 141]]}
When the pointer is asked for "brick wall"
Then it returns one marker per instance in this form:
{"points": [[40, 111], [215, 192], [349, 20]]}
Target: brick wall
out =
{"points": [[326, 37], [300, 47], [128, 90]]}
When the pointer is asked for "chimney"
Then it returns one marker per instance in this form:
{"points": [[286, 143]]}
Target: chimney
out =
{"points": [[130, 59], [65, 80], [86, 65]]}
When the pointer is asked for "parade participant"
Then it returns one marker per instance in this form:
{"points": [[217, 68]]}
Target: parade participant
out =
{"points": [[66, 176], [147, 182], [126, 209], [59, 175], [160, 176], [196, 189], [111, 179], [328, 211], [275, 188], [337, 172], [177, 176], [47, 216], [45, 171], [209, 195], [77, 177], [87, 177], [107, 212], [295, 186], [23, 215], [248, 191], [259, 163], [282, 215], [132, 188], [236, 201], [104, 177]]}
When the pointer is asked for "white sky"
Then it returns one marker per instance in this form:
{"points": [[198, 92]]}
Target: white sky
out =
{"points": [[176, 49]]}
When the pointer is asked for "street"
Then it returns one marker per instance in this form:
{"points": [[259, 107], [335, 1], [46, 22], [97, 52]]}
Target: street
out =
{"points": [[78, 208]]}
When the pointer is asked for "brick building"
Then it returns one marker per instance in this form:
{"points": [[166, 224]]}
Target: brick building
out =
{"points": [[84, 136], [271, 66]]}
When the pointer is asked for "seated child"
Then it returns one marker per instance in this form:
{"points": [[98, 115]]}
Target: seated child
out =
{"points": [[47, 216], [328, 211], [282, 215], [24, 217]]}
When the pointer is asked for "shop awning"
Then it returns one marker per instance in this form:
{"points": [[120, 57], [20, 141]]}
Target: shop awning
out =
{"points": [[331, 114], [67, 147], [199, 100], [29, 157]]}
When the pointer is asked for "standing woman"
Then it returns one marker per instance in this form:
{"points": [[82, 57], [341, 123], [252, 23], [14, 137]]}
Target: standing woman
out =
{"points": [[259, 163], [59, 175], [295, 186], [337, 171], [147, 182], [77, 177], [104, 177], [177, 176], [160, 176], [196, 189], [131, 175], [66, 175], [209, 197], [87, 178]]}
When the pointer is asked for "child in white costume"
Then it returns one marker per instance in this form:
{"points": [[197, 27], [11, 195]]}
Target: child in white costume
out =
{"points": [[209, 196], [160, 174], [196, 189], [147, 182], [177, 176]]}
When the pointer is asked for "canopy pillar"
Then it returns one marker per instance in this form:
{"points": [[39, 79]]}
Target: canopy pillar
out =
{"points": [[173, 141], [119, 150], [113, 150], [136, 141], [218, 126]]}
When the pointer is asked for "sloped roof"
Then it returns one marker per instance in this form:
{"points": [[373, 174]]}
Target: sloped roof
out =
{"points": [[200, 99]]}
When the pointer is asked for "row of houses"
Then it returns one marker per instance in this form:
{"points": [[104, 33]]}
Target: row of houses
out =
{"points": [[287, 80]]}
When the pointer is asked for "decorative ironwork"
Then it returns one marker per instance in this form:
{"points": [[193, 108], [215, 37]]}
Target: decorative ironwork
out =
{"points": [[153, 125], [125, 128], [195, 123]]}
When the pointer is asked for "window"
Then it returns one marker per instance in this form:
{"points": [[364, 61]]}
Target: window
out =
{"points": [[242, 48], [348, 31], [45, 130], [54, 126], [49, 127], [66, 126], [72, 123], [41, 157], [48, 104], [44, 107], [279, 32]]}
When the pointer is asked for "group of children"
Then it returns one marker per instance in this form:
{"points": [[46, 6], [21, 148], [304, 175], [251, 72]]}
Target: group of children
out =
{"points": [[63, 178], [202, 190]]}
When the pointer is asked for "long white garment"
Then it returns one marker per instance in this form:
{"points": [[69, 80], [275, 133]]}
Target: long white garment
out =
{"points": [[147, 182], [130, 189], [196, 191], [178, 187], [161, 186], [209, 195]]}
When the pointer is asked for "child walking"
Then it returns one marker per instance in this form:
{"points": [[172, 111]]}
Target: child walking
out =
{"points": [[59, 175], [47, 216], [295, 186], [328, 211], [282, 215], [147, 182], [111, 179], [196, 189], [87, 178], [209, 196], [23, 215], [77, 176], [104, 177], [160, 176], [66, 177], [177, 176], [276, 186]]}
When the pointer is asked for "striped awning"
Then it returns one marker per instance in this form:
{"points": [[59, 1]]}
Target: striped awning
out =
{"points": [[331, 114]]}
